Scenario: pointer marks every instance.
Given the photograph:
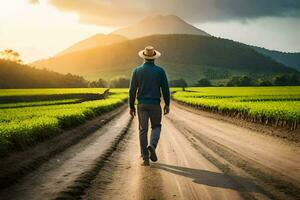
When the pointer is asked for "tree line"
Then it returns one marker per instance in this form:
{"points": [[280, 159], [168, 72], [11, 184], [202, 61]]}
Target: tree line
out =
{"points": [[117, 82], [244, 80], [234, 81]]}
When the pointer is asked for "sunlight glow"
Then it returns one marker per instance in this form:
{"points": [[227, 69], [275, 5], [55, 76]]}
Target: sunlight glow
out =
{"points": [[39, 30]]}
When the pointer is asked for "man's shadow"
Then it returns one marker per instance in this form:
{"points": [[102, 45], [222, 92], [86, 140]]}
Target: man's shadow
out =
{"points": [[213, 179]]}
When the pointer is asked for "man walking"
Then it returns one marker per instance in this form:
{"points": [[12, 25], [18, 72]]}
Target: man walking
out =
{"points": [[147, 82]]}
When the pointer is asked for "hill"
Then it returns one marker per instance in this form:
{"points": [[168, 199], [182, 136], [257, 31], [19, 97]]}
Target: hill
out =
{"points": [[14, 75], [183, 56], [94, 41], [157, 25], [288, 59]]}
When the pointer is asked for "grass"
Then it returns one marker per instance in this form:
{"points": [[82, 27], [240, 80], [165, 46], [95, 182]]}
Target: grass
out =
{"points": [[279, 106], [32, 122]]}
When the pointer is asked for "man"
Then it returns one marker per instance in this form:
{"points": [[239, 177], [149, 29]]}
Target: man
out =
{"points": [[147, 81]]}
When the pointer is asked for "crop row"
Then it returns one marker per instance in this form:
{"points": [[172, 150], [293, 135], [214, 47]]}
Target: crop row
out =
{"points": [[280, 108], [40, 103], [51, 91], [247, 91], [21, 127]]}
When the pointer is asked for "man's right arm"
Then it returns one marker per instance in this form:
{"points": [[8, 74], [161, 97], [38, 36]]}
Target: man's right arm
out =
{"points": [[166, 92], [132, 90]]}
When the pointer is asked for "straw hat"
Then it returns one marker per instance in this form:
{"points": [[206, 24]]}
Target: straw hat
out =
{"points": [[149, 53]]}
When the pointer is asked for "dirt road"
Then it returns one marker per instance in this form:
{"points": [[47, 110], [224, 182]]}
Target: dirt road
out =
{"points": [[200, 157]]}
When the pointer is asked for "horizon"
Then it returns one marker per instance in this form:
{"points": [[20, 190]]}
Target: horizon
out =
{"points": [[27, 33]]}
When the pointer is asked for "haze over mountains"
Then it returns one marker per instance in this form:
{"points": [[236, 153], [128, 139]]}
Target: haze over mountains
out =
{"points": [[289, 59], [94, 41], [169, 24], [187, 52]]}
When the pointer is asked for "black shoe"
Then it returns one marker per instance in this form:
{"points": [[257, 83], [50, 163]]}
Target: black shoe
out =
{"points": [[153, 156], [146, 163]]}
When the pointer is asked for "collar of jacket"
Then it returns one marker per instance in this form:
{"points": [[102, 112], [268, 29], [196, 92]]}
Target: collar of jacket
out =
{"points": [[148, 63]]}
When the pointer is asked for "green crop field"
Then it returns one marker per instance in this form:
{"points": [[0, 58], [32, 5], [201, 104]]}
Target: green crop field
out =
{"points": [[24, 122], [50, 91], [277, 106]]}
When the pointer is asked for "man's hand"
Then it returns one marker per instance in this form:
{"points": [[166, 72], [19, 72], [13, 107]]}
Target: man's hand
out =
{"points": [[132, 112], [166, 110]]}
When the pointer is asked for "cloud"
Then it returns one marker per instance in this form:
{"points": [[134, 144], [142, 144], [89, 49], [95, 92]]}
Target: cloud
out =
{"points": [[120, 12]]}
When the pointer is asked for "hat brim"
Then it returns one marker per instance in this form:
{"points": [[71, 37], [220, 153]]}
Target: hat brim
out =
{"points": [[142, 55]]}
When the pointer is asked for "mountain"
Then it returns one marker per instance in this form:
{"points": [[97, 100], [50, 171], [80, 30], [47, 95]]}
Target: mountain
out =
{"points": [[14, 75], [288, 59], [94, 41], [157, 25], [183, 56], [169, 24]]}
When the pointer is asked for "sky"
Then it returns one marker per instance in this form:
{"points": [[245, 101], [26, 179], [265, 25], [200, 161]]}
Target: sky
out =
{"points": [[39, 29]]}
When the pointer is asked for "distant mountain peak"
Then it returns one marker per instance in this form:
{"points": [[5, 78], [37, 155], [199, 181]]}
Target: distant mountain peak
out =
{"points": [[159, 25], [162, 17]]}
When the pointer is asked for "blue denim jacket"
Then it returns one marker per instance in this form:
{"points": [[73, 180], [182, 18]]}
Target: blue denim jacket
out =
{"points": [[146, 82]]}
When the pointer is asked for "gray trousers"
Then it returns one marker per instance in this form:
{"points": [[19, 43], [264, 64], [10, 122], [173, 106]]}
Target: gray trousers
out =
{"points": [[146, 112]]}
